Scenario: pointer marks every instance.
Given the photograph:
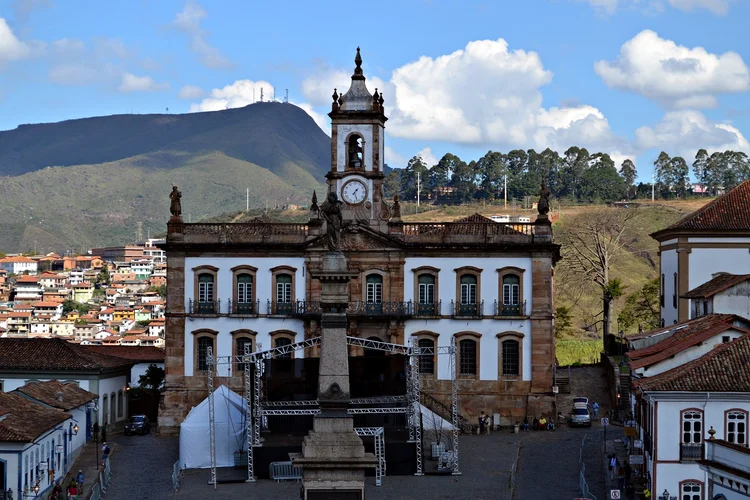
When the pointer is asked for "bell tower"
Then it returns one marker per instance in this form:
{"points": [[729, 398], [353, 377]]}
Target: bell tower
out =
{"points": [[357, 142]]}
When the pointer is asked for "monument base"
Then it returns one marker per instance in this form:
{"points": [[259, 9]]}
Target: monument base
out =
{"points": [[333, 460]]}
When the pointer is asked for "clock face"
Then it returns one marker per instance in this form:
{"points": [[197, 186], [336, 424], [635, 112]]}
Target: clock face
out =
{"points": [[354, 192]]}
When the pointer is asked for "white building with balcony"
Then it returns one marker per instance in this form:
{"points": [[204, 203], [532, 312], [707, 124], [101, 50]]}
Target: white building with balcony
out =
{"points": [[727, 466]]}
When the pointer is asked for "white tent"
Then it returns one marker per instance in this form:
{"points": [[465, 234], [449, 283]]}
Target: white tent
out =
{"points": [[229, 418], [434, 422]]}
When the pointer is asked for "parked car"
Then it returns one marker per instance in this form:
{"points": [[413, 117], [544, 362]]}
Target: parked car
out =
{"points": [[138, 424], [580, 415]]}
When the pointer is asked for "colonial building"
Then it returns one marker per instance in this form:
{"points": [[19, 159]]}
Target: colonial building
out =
{"points": [[486, 284], [711, 240]]}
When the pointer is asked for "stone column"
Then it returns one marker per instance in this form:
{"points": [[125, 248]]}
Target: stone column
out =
{"points": [[333, 458]]}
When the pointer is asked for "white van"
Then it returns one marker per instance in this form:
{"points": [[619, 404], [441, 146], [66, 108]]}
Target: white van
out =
{"points": [[500, 218]]}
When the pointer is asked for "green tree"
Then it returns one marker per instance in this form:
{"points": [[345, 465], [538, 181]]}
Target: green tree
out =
{"points": [[463, 181], [642, 308], [440, 174], [491, 169], [153, 379], [392, 183], [628, 174], [563, 320], [600, 181], [574, 164], [415, 167], [103, 276], [71, 305], [516, 162]]}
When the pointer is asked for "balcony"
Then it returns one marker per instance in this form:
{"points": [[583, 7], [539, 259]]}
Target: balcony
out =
{"points": [[510, 309], [427, 310], [244, 308], [691, 452], [307, 308], [380, 309], [460, 310], [208, 308], [281, 308]]}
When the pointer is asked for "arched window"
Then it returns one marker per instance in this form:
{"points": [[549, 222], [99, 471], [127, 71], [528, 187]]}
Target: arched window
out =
{"points": [[674, 291], [511, 295], [120, 404], [736, 427], [661, 291], [692, 427], [204, 343], [426, 295], [426, 361], [467, 349], [206, 293], [112, 402], [691, 490], [356, 151], [105, 409], [245, 294], [373, 293], [283, 293], [510, 358], [281, 342], [468, 297], [373, 352], [240, 342]]}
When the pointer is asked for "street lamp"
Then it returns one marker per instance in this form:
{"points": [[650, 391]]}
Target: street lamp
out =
{"points": [[75, 429], [665, 495]]}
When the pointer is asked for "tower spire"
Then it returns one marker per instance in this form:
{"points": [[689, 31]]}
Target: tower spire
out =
{"points": [[358, 74]]}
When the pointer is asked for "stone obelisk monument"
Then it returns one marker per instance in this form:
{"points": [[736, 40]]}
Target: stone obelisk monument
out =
{"points": [[333, 458]]}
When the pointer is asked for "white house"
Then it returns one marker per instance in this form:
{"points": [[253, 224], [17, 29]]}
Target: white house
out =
{"points": [[38, 359], [724, 293], [727, 466], [678, 409], [141, 356], [27, 288], [30, 439], [19, 265], [714, 239]]}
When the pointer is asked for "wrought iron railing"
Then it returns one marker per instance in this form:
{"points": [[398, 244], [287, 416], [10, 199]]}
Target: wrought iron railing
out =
{"points": [[244, 308], [281, 308], [432, 309], [467, 310], [307, 308], [691, 452], [380, 308], [510, 309], [204, 307], [468, 228]]}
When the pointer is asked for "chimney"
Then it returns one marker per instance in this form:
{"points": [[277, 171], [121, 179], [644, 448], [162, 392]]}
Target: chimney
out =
{"points": [[714, 275], [59, 396]]}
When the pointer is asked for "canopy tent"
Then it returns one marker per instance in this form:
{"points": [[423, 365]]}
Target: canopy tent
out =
{"points": [[433, 422], [229, 418]]}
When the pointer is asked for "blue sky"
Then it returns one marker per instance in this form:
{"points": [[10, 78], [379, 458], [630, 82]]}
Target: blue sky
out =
{"points": [[627, 77]]}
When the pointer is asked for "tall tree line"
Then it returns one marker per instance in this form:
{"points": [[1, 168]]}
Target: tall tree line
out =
{"points": [[577, 175]]}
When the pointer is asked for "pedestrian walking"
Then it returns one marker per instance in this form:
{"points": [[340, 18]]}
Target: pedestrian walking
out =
{"points": [[57, 493], [535, 425], [481, 423], [72, 490], [105, 454], [526, 423], [487, 426], [79, 479], [596, 410], [612, 466]]}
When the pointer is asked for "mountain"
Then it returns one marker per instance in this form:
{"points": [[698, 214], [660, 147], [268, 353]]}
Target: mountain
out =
{"points": [[88, 182]]}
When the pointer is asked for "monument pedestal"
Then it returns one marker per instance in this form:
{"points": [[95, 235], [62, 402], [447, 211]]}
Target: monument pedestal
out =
{"points": [[333, 458]]}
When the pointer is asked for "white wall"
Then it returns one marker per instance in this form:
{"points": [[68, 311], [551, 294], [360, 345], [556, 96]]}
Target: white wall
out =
{"points": [[735, 300], [688, 354], [226, 325], [489, 344], [108, 386], [668, 268], [264, 279], [490, 284], [704, 262]]}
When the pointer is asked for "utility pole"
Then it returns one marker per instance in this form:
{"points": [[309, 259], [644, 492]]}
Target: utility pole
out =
{"points": [[261, 94], [247, 201], [419, 183], [505, 191], [653, 184]]}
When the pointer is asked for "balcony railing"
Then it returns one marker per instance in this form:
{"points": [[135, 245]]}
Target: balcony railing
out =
{"points": [[281, 308], [204, 307], [691, 452], [510, 309], [467, 310], [244, 308], [426, 310], [380, 309]]}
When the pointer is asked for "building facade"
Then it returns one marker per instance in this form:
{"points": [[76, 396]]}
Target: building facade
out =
{"points": [[713, 239], [486, 285]]}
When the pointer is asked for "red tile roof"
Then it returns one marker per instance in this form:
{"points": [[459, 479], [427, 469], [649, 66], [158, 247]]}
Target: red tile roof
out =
{"points": [[18, 258], [718, 283], [142, 354], [62, 395], [725, 369], [26, 278], [24, 420], [47, 304], [725, 213], [53, 354], [687, 334]]}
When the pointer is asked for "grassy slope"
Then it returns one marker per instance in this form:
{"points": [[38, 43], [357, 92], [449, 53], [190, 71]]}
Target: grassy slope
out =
{"points": [[91, 205]]}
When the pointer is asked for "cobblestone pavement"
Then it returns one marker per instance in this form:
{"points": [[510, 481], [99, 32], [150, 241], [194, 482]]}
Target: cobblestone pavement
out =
{"points": [[142, 467], [547, 470]]}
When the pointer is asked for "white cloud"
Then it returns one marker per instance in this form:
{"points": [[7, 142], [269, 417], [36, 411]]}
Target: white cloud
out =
{"points": [[318, 89], [393, 158], [320, 119], [190, 92], [604, 6], [11, 48], [189, 22], [672, 74], [428, 157], [718, 7], [134, 83], [236, 95], [682, 132]]}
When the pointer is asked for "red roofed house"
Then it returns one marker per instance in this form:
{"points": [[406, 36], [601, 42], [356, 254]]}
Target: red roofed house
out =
{"points": [[678, 410], [725, 293], [27, 288], [19, 265], [51, 280], [53, 309], [713, 239]]}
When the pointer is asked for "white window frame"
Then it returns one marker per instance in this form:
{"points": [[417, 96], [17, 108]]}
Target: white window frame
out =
{"points": [[284, 290], [691, 494], [244, 290], [734, 433]]}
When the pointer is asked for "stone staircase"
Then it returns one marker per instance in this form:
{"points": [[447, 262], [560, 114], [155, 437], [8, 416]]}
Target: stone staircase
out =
{"points": [[562, 380], [444, 411]]}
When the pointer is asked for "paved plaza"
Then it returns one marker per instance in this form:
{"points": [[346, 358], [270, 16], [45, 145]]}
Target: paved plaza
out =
{"points": [[547, 469]]}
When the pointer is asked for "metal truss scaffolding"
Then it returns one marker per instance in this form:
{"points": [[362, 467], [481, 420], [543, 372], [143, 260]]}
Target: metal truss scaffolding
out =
{"points": [[257, 409]]}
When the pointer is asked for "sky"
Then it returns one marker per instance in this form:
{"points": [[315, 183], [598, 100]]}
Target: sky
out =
{"points": [[626, 77]]}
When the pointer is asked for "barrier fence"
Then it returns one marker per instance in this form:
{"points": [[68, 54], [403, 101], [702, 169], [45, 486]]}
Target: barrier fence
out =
{"points": [[100, 487], [176, 475]]}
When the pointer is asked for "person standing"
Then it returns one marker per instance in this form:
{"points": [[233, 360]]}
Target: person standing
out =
{"points": [[612, 466], [105, 454], [80, 479], [72, 491], [481, 423], [487, 426], [596, 410]]}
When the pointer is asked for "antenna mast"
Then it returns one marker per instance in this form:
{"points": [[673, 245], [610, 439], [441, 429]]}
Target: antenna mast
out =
{"points": [[286, 96]]}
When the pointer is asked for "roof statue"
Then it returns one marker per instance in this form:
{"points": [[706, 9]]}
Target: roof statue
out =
{"points": [[543, 205], [332, 213], [175, 206]]}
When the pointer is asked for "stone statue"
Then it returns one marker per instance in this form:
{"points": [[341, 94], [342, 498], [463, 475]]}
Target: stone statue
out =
{"points": [[175, 207], [396, 208], [543, 205], [332, 213]]}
